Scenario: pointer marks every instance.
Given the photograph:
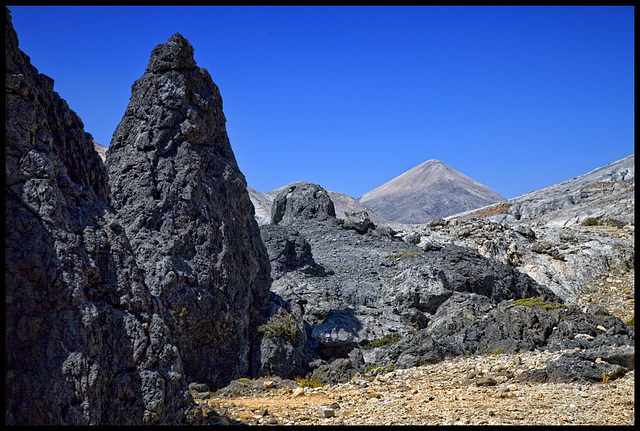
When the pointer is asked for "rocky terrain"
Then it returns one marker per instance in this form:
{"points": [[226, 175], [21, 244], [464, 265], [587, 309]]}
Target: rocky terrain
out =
{"points": [[606, 193], [343, 204], [141, 288], [470, 390], [428, 191]]}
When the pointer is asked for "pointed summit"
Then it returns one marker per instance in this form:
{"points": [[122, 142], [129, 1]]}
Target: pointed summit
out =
{"points": [[430, 190], [176, 54]]}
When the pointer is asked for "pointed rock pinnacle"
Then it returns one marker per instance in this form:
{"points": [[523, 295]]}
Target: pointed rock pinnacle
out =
{"points": [[176, 54]]}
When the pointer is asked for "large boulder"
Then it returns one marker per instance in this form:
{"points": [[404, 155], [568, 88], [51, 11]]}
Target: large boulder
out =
{"points": [[183, 202], [86, 342], [302, 201]]}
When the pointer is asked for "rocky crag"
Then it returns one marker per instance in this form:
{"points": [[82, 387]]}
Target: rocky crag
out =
{"points": [[183, 203], [428, 191], [86, 342], [359, 286]]}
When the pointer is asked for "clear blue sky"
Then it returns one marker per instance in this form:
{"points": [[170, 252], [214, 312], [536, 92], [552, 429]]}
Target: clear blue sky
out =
{"points": [[517, 98]]}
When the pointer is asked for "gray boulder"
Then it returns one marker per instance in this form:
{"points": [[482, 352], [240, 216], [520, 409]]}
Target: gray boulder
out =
{"points": [[302, 201], [288, 250], [183, 202], [358, 221], [592, 365]]}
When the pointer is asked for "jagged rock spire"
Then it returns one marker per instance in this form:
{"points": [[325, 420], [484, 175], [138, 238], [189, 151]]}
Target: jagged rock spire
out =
{"points": [[178, 191], [176, 54]]}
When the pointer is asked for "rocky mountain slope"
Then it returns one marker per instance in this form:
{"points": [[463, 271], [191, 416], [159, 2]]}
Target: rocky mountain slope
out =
{"points": [[606, 193], [428, 191], [139, 285], [542, 233], [429, 299]]}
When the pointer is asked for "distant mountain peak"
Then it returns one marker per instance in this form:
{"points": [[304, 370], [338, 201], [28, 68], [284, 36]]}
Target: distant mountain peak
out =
{"points": [[428, 191]]}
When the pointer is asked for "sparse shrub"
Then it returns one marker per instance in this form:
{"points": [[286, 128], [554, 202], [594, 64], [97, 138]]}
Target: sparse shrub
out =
{"points": [[244, 380], [384, 341], [309, 381], [631, 322], [282, 325], [614, 223], [539, 302], [496, 352], [378, 369], [590, 221]]}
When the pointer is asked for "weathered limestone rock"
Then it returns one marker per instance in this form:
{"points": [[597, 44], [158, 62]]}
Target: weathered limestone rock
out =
{"points": [[183, 202], [86, 343], [302, 201]]}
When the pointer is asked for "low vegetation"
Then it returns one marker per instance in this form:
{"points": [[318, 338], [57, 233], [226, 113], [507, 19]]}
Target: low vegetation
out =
{"points": [[282, 325], [537, 302], [310, 381], [387, 340], [375, 370], [591, 221]]}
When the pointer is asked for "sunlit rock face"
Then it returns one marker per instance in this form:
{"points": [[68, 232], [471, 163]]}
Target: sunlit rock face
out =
{"points": [[178, 192]]}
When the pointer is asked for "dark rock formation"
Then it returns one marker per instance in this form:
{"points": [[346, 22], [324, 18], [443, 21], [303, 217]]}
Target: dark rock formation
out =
{"points": [[86, 342], [469, 324], [342, 204], [183, 202], [302, 201], [373, 285], [288, 251], [591, 365]]}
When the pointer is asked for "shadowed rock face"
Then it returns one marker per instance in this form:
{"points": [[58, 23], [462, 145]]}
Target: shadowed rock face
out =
{"points": [[183, 202], [85, 341]]}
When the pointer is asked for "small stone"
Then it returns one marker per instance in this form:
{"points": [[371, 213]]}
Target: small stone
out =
{"points": [[326, 412], [486, 381], [298, 392], [268, 383], [602, 328]]}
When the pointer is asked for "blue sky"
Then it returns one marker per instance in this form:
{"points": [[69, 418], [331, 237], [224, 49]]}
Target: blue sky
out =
{"points": [[517, 98]]}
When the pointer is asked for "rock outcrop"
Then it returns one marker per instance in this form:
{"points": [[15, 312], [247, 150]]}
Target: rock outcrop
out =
{"points": [[302, 201], [372, 284], [343, 204], [428, 191], [564, 259], [86, 343], [183, 202]]}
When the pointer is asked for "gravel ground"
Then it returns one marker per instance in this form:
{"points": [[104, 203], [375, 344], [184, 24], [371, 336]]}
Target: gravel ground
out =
{"points": [[479, 390]]}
